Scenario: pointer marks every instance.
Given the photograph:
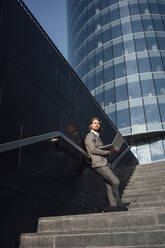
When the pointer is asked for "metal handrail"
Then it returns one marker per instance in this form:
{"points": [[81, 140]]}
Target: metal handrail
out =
{"points": [[39, 138]]}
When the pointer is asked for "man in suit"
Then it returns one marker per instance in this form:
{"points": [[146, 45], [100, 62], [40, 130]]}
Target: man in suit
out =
{"points": [[100, 164]]}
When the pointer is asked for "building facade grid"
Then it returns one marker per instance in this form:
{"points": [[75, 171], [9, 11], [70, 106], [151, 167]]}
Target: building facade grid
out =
{"points": [[118, 50]]}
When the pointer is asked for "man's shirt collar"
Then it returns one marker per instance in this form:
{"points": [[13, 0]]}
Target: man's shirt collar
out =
{"points": [[96, 133]]}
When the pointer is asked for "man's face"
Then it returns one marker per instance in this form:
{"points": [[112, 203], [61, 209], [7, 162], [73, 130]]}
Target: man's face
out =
{"points": [[95, 125]]}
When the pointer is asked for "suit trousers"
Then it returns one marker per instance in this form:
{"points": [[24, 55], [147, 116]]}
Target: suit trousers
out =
{"points": [[112, 184]]}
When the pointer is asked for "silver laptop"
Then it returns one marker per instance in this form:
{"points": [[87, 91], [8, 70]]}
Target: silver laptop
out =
{"points": [[117, 142]]}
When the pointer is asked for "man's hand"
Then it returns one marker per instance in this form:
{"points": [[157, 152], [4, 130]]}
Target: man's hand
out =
{"points": [[114, 149]]}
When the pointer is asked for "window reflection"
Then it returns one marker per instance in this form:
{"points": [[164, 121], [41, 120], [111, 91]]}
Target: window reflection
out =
{"points": [[123, 118], [98, 39], [126, 26], [104, 4], [84, 67], [117, 48], [151, 110], [108, 72], [160, 83], [91, 44], [109, 94], [158, 23], [161, 41], [157, 151], [156, 62], [137, 112], [154, 8], [134, 90], [144, 8], [151, 42], [140, 42], [110, 111], [91, 27], [121, 90], [99, 57], [99, 76], [131, 65], [143, 62], [124, 10], [147, 23], [119, 68], [147, 85], [91, 61], [114, 13], [134, 8], [106, 34], [116, 30], [105, 17], [128, 44], [107, 52], [161, 7], [90, 11], [143, 153], [99, 96], [91, 81], [137, 24]]}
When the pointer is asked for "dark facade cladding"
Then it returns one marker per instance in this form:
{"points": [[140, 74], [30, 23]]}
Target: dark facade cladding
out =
{"points": [[39, 94], [117, 47]]}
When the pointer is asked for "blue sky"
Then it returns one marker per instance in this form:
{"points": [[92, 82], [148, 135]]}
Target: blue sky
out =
{"points": [[51, 14]]}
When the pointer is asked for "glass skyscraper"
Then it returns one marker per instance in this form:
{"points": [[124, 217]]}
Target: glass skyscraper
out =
{"points": [[117, 47]]}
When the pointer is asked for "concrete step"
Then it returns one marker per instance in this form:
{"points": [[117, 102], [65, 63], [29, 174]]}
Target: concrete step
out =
{"points": [[140, 184], [158, 205], [104, 230], [101, 220], [151, 165], [148, 174], [141, 190], [144, 169], [144, 197], [128, 238], [150, 177]]}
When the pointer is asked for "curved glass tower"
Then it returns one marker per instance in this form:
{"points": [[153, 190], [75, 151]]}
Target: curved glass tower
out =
{"points": [[117, 47]]}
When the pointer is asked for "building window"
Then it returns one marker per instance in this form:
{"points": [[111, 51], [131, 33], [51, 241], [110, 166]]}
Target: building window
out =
{"points": [[131, 64], [121, 90], [117, 48], [109, 94], [110, 111], [137, 24], [152, 113], [143, 62], [134, 90], [128, 44], [157, 152], [116, 30], [147, 85], [137, 112], [160, 83], [119, 68], [123, 117], [108, 72], [107, 52], [156, 62], [143, 154]]}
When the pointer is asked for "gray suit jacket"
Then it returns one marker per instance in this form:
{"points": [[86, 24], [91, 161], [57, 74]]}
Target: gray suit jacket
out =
{"points": [[98, 156]]}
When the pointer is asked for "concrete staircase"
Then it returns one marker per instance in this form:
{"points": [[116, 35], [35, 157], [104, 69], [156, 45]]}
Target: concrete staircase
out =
{"points": [[143, 226]]}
